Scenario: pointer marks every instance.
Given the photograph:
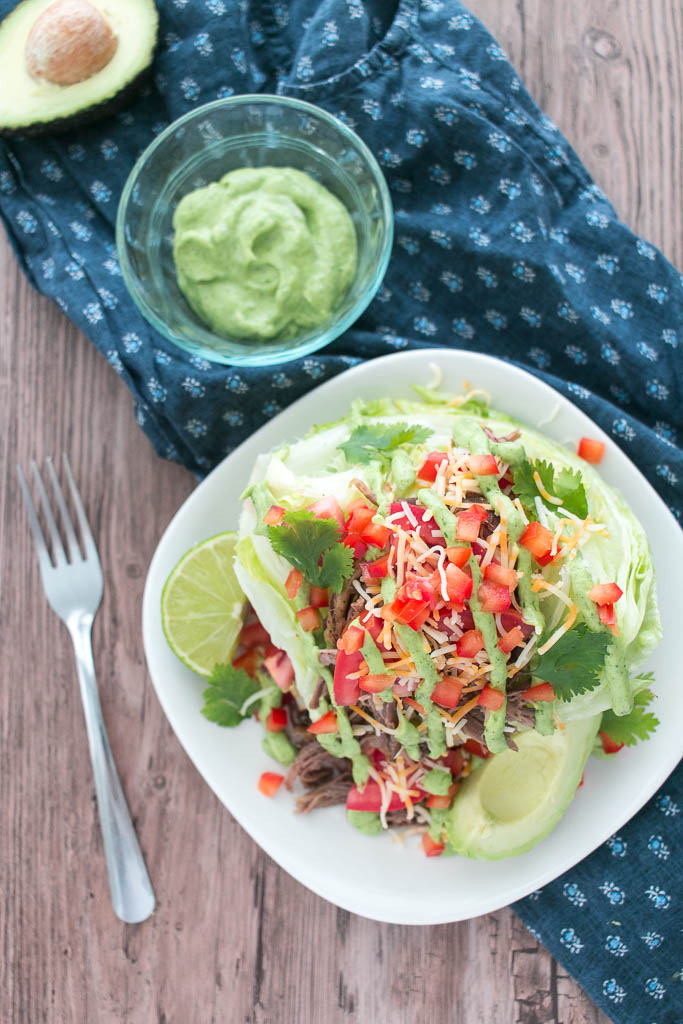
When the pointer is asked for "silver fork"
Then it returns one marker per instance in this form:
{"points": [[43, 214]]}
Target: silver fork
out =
{"points": [[73, 586]]}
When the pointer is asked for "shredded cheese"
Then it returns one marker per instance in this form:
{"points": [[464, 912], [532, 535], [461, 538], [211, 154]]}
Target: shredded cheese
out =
{"points": [[401, 557], [526, 652], [542, 490], [541, 584], [566, 625], [541, 512], [465, 709]]}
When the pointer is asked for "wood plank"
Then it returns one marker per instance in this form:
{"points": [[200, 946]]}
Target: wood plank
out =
{"points": [[234, 938]]}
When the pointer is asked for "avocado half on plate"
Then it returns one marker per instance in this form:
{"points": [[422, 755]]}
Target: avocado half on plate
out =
{"points": [[65, 62], [513, 800]]}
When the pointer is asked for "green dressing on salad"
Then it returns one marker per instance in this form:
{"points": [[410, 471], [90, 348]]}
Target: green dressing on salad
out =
{"points": [[484, 621], [391, 559]]}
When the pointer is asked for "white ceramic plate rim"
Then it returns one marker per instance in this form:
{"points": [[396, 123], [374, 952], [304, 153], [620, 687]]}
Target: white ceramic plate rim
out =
{"points": [[377, 877]]}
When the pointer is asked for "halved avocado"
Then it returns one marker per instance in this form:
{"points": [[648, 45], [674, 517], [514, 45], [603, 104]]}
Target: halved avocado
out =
{"points": [[514, 799], [33, 98]]}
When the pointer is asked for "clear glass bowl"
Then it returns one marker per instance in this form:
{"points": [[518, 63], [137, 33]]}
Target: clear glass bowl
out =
{"points": [[197, 149]]}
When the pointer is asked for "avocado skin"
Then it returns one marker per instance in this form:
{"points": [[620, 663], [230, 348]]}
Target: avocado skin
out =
{"points": [[83, 117], [86, 115]]}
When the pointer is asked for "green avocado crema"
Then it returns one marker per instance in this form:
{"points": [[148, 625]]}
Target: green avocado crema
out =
{"points": [[469, 434], [266, 252]]}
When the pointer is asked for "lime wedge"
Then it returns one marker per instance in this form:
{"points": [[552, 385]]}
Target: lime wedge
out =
{"points": [[202, 605]]}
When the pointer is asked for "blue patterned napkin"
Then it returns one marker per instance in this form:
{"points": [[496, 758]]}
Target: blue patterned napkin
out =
{"points": [[503, 243]]}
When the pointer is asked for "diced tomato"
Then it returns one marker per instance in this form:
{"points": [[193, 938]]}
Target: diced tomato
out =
{"points": [[351, 639], [447, 692], [253, 635], [374, 626], [248, 662], [417, 588], [430, 466], [544, 560], [431, 849], [309, 618], [346, 691], [499, 574], [491, 699], [540, 692], [376, 534], [493, 597], [458, 584], [437, 800], [428, 531], [269, 783], [476, 748], [319, 597], [280, 668], [328, 508], [591, 450], [376, 570], [412, 703], [413, 602], [605, 593], [274, 515], [370, 798], [470, 643], [469, 522], [326, 723], [608, 744], [360, 518], [459, 556], [375, 684], [537, 539], [483, 465], [607, 617], [410, 613], [356, 543], [515, 638], [276, 720], [293, 583]]}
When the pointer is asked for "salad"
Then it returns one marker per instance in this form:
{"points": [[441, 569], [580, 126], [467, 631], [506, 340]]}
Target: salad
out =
{"points": [[447, 615]]}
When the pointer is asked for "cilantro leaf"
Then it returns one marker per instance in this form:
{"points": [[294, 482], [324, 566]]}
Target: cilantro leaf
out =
{"points": [[313, 546], [570, 489], [227, 691], [637, 725], [376, 440], [563, 483], [573, 664], [546, 473], [524, 484], [336, 566]]}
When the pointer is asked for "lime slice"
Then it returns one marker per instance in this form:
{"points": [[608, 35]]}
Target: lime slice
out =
{"points": [[202, 605]]}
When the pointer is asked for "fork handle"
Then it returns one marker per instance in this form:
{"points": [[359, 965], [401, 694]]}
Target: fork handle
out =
{"points": [[132, 895]]}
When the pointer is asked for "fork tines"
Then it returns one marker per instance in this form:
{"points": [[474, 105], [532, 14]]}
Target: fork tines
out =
{"points": [[59, 557]]}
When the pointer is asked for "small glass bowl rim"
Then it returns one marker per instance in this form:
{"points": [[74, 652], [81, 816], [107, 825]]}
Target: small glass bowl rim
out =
{"points": [[334, 329]]}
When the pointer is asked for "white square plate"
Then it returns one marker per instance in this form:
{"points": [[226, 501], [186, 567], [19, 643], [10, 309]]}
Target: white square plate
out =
{"points": [[378, 876]]}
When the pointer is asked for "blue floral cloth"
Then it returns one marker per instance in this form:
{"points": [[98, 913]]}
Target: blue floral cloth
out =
{"points": [[503, 244]]}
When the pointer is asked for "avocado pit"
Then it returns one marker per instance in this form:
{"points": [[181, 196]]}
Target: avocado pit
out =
{"points": [[69, 42]]}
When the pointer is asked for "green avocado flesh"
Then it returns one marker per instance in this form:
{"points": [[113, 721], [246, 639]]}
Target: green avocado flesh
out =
{"points": [[30, 105], [514, 799], [265, 252]]}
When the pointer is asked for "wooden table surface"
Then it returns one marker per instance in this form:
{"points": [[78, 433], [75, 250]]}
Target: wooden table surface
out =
{"points": [[234, 938]]}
